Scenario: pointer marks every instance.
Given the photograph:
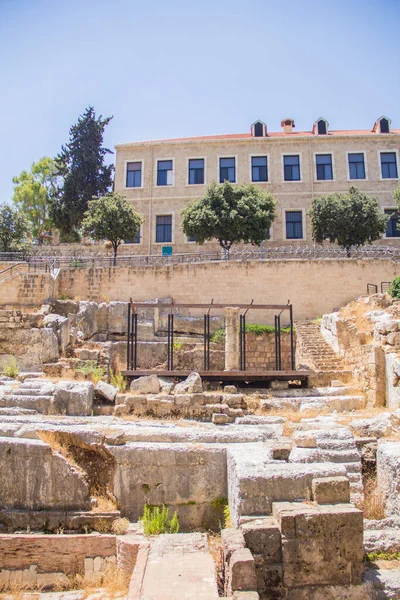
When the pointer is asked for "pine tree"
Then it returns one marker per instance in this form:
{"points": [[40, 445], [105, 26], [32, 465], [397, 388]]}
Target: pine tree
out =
{"points": [[84, 175]]}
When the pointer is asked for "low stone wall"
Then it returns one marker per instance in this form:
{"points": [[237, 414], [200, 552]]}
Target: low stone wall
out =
{"points": [[41, 560]]}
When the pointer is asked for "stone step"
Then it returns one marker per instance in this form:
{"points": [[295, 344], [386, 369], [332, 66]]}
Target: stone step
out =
{"points": [[33, 392], [35, 402], [318, 455], [314, 392]]}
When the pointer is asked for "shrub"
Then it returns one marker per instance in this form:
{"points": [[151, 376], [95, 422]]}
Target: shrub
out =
{"points": [[156, 520], [120, 526], [91, 370], [117, 380], [178, 346], [394, 289], [10, 368], [218, 336]]}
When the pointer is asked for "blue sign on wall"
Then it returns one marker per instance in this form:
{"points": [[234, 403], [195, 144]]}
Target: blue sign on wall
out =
{"points": [[167, 250]]}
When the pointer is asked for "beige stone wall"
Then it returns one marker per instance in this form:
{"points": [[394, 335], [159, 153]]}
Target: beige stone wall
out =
{"points": [[260, 351], [314, 287], [28, 289], [151, 199]]}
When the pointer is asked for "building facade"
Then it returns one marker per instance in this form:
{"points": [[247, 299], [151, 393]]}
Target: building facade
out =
{"points": [[160, 177]]}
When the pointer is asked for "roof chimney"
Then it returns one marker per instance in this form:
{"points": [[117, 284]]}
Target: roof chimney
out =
{"points": [[287, 125]]}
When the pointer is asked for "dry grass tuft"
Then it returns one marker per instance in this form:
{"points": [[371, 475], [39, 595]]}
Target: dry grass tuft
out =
{"points": [[216, 551], [104, 504], [114, 582], [373, 504], [120, 526]]}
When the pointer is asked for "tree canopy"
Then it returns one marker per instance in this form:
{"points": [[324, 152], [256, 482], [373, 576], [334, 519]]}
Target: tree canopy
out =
{"points": [[111, 218], [231, 214], [350, 219], [33, 193], [14, 228], [80, 165]]}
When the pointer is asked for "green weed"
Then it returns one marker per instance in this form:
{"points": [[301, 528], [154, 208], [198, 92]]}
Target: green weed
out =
{"points": [[91, 370], [156, 520], [10, 368]]}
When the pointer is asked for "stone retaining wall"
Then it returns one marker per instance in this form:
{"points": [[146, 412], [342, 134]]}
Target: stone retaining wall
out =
{"points": [[337, 281]]}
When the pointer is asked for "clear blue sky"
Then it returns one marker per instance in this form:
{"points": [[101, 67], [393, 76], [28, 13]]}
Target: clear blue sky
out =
{"points": [[183, 67]]}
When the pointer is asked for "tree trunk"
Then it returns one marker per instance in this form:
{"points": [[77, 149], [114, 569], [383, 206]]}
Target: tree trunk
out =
{"points": [[115, 247]]}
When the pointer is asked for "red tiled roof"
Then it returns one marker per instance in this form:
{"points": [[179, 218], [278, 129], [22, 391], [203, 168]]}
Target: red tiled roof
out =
{"points": [[276, 134]]}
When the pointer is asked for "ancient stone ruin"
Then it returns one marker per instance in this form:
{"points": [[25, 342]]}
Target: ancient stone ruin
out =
{"points": [[281, 459]]}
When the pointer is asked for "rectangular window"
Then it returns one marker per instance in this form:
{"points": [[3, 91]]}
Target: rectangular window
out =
{"points": [[392, 224], [191, 238], [164, 172], [196, 171], [389, 165], [259, 168], [136, 239], [267, 234], [227, 170], [134, 174], [294, 225], [324, 166], [164, 229], [291, 166], [356, 166]]}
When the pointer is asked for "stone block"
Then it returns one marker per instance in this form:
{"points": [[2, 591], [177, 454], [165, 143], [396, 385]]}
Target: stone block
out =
{"points": [[166, 384], [230, 389], [245, 596], [46, 469], [388, 475], [331, 490], [233, 400], [241, 571], [74, 397], [232, 539], [146, 385], [279, 385], [263, 536], [220, 419], [281, 451], [106, 391], [190, 385]]}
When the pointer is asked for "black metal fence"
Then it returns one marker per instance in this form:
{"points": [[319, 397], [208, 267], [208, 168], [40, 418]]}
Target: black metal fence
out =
{"points": [[133, 343]]}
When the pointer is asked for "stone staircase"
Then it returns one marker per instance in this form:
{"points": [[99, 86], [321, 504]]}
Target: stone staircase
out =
{"points": [[334, 398], [313, 351], [330, 446]]}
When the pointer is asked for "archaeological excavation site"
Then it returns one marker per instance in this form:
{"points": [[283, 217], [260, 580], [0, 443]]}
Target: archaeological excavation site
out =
{"points": [[195, 432]]}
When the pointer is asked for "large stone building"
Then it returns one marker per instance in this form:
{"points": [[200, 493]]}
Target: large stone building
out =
{"points": [[160, 177]]}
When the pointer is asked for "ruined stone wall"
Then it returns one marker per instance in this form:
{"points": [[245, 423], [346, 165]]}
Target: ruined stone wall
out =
{"points": [[52, 553], [366, 333], [260, 351]]}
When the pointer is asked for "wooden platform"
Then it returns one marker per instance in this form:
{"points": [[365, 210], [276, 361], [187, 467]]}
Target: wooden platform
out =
{"points": [[243, 376]]}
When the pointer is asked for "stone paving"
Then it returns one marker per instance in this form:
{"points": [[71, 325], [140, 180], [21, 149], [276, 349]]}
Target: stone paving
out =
{"points": [[180, 567]]}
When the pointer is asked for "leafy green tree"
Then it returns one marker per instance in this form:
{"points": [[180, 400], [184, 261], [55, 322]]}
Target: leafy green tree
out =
{"points": [[231, 214], [14, 228], [396, 197], [111, 218], [33, 192], [81, 166], [350, 219]]}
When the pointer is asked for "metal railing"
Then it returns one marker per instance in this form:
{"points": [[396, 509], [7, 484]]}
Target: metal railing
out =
{"points": [[312, 252]]}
